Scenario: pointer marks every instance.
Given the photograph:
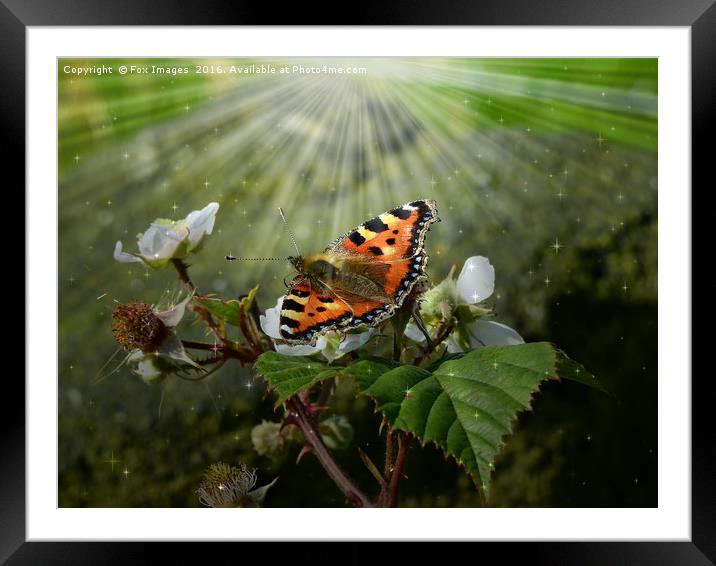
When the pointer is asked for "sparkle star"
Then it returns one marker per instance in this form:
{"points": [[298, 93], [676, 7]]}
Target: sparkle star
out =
{"points": [[112, 461], [206, 183], [125, 155], [556, 246], [600, 140], [433, 182], [76, 158], [174, 207], [547, 281], [125, 473]]}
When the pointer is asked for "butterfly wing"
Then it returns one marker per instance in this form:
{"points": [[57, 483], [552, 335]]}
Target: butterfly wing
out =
{"points": [[394, 244], [309, 310]]}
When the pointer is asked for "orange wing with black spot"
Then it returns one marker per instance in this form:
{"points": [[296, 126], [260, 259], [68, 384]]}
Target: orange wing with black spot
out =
{"points": [[394, 239], [307, 311]]}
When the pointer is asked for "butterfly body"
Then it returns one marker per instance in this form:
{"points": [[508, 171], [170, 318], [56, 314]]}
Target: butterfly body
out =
{"points": [[361, 278]]}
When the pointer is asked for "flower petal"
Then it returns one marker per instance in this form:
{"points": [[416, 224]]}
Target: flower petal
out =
{"points": [[491, 333], [300, 349], [270, 320], [158, 242], [124, 257], [352, 342], [477, 280], [172, 316], [413, 332], [200, 222], [148, 369], [453, 347]]}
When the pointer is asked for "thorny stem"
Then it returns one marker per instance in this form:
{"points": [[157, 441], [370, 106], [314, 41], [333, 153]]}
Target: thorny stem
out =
{"points": [[325, 392], [391, 497], [443, 331], [226, 350], [299, 415], [388, 453], [183, 271]]}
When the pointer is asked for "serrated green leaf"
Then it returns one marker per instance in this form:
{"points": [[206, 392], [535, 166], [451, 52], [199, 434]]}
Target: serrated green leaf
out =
{"points": [[367, 370], [466, 405], [287, 375], [228, 311]]}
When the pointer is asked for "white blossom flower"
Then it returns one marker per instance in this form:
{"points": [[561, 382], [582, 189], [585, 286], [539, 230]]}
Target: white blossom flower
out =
{"points": [[169, 239], [331, 345], [475, 284], [149, 336]]}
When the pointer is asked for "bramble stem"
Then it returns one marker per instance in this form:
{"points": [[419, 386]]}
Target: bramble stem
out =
{"points": [[442, 332], [183, 271], [391, 499], [299, 415], [226, 350]]}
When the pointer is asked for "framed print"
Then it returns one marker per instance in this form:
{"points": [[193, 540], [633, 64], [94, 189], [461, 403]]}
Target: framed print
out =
{"points": [[413, 270]]}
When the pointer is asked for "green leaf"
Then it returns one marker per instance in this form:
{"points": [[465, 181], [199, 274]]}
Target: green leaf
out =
{"points": [[228, 311], [287, 375], [246, 302], [466, 405]]}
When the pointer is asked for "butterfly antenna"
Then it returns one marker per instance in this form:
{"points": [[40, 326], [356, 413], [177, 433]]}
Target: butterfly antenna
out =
{"points": [[230, 257], [290, 234]]}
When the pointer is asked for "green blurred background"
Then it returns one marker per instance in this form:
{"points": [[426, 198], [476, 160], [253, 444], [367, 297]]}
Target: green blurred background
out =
{"points": [[546, 166]]}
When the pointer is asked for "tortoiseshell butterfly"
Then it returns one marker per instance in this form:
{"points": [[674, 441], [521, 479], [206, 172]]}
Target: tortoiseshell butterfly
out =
{"points": [[361, 278]]}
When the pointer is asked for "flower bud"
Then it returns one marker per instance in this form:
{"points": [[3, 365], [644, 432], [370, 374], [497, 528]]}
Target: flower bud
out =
{"points": [[266, 438], [136, 326], [439, 303]]}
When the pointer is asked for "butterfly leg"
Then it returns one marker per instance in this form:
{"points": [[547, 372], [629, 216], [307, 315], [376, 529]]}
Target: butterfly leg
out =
{"points": [[421, 325]]}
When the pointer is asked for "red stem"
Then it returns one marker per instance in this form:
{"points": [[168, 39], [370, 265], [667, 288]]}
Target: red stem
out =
{"points": [[391, 498], [298, 414]]}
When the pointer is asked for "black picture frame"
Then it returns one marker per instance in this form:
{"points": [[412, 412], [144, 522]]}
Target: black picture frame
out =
{"points": [[699, 15]]}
